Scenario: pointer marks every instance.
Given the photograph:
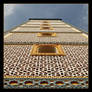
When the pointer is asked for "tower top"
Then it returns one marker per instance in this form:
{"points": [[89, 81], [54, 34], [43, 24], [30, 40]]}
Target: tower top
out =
{"points": [[45, 19]]}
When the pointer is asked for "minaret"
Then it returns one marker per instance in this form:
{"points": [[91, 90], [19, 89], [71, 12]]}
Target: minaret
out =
{"points": [[45, 53]]}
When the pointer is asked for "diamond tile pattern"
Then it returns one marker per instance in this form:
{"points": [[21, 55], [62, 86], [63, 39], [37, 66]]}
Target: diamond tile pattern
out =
{"points": [[18, 61]]}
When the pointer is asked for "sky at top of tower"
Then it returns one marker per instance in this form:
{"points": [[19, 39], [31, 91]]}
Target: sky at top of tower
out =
{"points": [[75, 14]]}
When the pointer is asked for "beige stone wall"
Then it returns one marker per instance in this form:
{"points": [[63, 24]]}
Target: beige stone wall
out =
{"points": [[26, 29], [55, 23], [51, 21], [37, 29], [38, 25]]}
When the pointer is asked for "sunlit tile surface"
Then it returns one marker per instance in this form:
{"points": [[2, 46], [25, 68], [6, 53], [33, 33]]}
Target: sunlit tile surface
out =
{"points": [[22, 70]]}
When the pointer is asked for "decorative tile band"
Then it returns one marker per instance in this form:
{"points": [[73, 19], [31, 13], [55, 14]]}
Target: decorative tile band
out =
{"points": [[64, 43], [38, 83], [45, 77]]}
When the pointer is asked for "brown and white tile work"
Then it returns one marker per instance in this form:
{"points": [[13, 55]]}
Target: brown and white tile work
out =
{"points": [[18, 61]]}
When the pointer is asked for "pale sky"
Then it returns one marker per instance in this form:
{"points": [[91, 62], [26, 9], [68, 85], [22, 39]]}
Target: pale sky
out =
{"points": [[75, 14]]}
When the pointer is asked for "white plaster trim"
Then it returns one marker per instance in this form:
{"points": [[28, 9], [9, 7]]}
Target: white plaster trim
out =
{"points": [[44, 23], [7, 35], [85, 35], [75, 30], [67, 25], [17, 29]]}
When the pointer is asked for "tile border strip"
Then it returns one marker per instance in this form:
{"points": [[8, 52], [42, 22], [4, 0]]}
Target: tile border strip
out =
{"points": [[31, 43], [44, 77], [38, 83]]}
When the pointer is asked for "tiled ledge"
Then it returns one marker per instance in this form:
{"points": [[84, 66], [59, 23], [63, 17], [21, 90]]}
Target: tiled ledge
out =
{"points": [[29, 43], [43, 32], [38, 83]]}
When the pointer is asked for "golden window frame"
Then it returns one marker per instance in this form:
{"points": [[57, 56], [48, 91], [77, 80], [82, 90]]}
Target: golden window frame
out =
{"points": [[59, 50], [45, 21], [48, 34], [46, 26]]}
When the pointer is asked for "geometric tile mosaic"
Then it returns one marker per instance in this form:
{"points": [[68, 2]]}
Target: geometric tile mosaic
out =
{"points": [[19, 62]]}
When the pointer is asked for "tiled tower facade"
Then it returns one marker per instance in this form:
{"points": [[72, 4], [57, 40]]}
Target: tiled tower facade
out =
{"points": [[45, 53]]}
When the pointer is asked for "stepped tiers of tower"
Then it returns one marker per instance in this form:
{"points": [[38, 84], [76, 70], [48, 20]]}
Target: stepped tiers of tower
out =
{"points": [[45, 54], [36, 29]]}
